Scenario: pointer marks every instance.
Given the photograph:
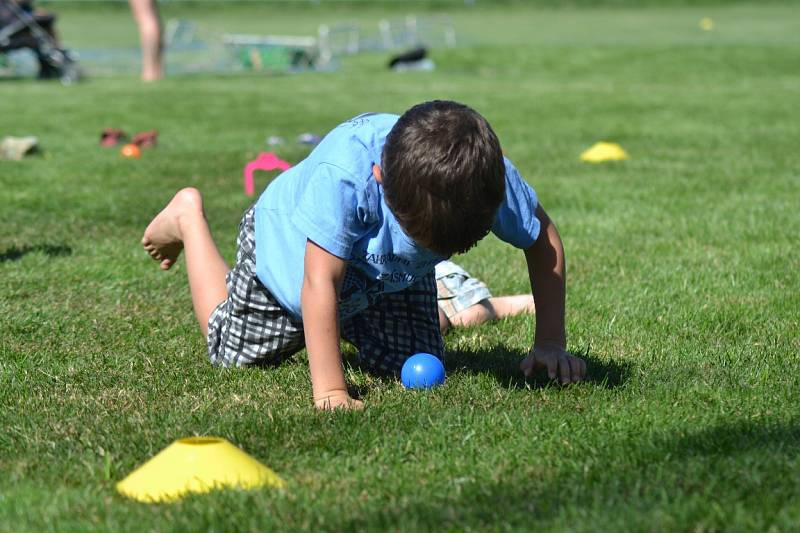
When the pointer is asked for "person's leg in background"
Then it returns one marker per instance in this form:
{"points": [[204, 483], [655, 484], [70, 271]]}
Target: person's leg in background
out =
{"points": [[145, 12]]}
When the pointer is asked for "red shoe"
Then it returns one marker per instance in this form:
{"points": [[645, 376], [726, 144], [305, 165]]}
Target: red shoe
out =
{"points": [[112, 137], [145, 139]]}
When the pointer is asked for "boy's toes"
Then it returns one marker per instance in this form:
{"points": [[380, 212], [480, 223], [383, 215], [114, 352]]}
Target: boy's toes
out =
{"points": [[166, 264]]}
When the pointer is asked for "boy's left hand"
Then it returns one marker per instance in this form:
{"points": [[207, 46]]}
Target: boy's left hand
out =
{"points": [[560, 364]]}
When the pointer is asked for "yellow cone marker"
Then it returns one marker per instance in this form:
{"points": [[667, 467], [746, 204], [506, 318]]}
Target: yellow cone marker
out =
{"points": [[706, 24], [604, 151], [196, 464]]}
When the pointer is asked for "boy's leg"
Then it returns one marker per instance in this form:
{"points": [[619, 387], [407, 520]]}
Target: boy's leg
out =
{"points": [[466, 301], [517, 304], [182, 225], [462, 299], [493, 308], [444, 322], [250, 327], [397, 326], [473, 315]]}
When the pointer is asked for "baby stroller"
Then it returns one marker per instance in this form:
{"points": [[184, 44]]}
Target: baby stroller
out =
{"points": [[22, 27]]}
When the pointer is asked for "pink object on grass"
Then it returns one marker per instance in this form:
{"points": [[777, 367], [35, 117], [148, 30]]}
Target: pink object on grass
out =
{"points": [[264, 161]]}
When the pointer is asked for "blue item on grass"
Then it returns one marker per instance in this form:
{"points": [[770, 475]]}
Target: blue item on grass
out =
{"points": [[422, 371]]}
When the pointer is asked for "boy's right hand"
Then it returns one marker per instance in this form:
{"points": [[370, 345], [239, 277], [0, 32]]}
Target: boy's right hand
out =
{"points": [[338, 400]]}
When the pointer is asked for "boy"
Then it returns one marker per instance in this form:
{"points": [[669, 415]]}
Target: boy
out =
{"points": [[343, 245]]}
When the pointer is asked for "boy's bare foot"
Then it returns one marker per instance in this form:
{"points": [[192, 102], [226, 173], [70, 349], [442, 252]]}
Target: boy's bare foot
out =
{"points": [[163, 238]]}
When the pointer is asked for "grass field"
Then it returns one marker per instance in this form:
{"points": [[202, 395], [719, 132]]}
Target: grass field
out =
{"points": [[684, 294]]}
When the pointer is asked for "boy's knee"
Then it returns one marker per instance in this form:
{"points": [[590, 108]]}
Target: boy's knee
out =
{"points": [[444, 322]]}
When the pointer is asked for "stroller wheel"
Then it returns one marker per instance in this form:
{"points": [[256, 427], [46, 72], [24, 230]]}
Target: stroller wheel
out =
{"points": [[70, 73], [59, 64], [49, 72]]}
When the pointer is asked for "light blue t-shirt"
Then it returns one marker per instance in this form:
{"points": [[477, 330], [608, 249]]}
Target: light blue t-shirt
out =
{"points": [[332, 199]]}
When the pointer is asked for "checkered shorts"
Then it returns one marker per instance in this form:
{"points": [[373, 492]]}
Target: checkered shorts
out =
{"points": [[251, 328], [457, 290]]}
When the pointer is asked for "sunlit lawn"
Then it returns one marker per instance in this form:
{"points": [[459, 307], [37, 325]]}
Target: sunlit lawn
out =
{"points": [[684, 295]]}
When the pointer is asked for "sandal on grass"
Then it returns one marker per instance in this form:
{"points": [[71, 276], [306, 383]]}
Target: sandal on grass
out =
{"points": [[15, 148], [145, 138], [112, 137]]}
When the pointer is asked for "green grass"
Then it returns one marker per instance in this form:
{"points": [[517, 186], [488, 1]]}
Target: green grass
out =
{"points": [[683, 287]]}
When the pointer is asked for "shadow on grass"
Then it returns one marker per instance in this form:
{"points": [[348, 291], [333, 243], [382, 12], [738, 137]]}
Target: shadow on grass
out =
{"points": [[18, 78], [52, 250], [738, 437], [520, 502], [502, 363]]}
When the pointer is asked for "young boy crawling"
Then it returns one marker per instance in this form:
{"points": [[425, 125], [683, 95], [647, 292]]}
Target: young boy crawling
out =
{"points": [[344, 244]]}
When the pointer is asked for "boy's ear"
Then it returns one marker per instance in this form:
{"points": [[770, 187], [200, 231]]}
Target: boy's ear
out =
{"points": [[376, 171]]}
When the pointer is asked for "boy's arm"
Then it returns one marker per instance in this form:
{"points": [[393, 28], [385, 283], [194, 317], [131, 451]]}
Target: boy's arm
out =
{"points": [[547, 272], [321, 282]]}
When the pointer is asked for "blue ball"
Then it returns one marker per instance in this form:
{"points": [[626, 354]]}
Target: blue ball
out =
{"points": [[422, 371]]}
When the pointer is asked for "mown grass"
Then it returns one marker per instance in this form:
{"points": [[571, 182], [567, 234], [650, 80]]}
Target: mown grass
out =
{"points": [[683, 288]]}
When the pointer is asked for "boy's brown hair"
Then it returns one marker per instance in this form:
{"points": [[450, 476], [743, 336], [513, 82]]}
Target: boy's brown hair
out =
{"points": [[443, 175]]}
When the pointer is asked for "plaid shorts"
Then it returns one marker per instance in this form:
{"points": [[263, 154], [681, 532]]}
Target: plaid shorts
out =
{"points": [[251, 328], [457, 290]]}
